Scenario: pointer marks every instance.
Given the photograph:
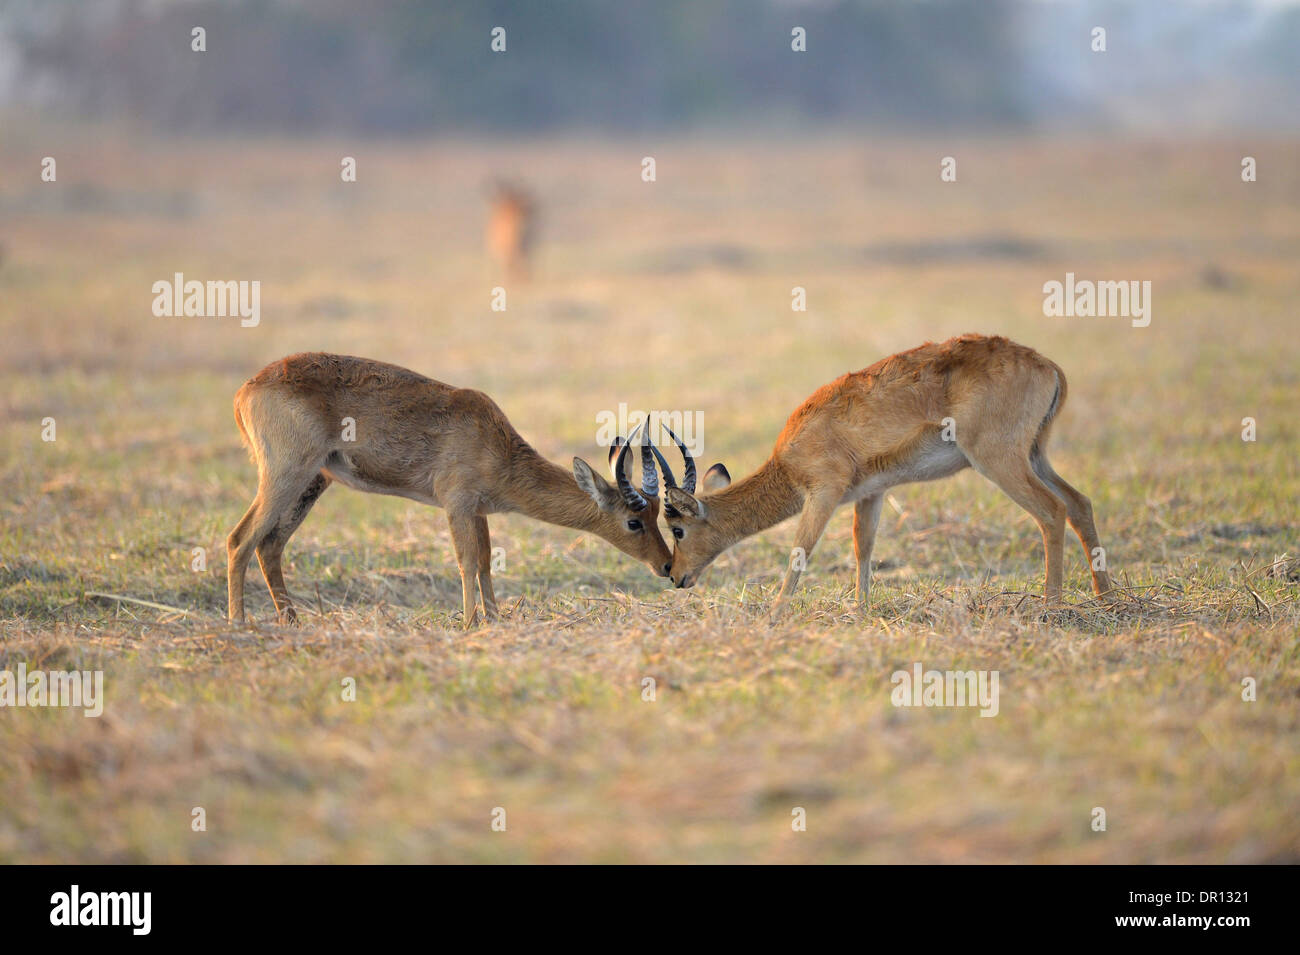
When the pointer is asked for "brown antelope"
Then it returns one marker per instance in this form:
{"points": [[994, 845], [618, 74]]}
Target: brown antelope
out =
{"points": [[511, 229], [312, 419], [920, 415]]}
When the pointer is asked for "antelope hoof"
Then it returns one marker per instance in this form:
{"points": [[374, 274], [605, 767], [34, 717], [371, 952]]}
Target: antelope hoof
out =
{"points": [[1108, 593]]}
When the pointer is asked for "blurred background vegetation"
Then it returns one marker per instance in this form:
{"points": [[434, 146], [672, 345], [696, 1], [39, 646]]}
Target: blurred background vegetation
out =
{"points": [[409, 67]]}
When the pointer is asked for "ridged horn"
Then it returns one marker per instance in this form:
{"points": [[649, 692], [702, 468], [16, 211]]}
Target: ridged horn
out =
{"points": [[631, 496], [615, 446], [649, 476], [669, 480], [688, 477]]}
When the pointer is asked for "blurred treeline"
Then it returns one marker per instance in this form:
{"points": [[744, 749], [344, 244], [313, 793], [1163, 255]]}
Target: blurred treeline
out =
{"points": [[407, 66]]}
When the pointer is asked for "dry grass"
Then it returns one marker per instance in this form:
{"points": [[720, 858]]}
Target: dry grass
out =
{"points": [[668, 295]]}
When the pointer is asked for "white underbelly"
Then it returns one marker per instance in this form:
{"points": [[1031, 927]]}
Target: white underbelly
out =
{"points": [[338, 468], [936, 460]]}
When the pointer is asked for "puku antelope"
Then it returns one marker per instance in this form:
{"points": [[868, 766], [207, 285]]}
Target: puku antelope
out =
{"points": [[420, 439], [511, 229], [920, 415]]}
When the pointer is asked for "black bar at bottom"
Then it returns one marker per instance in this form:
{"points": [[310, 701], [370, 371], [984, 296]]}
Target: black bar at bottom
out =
{"points": [[304, 904]]}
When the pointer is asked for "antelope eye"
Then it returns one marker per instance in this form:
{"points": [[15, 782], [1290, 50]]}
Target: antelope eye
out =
{"points": [[678, 533], [634, 525]]}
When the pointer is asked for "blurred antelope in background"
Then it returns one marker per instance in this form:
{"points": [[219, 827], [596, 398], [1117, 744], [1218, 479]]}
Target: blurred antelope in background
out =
{"points": [[312, 419], [511, 229], [920, 415]]}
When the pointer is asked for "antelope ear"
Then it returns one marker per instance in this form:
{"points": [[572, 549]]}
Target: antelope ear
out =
{"points": [[716, 478], [596, 486], [613, 456], [684, 504]]}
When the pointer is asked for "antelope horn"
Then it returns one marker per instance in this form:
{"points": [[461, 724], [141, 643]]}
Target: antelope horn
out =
{"points": [[688, 476], [631, 497], [615, 446], [663, 466], [649, 476]]}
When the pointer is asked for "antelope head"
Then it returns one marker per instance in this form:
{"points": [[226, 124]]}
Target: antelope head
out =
{"points": [[696, 540], [629, 518]]}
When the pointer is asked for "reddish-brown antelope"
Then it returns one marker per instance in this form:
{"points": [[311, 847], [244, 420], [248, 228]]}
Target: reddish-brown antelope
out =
{"points": [[511, 229], [920, 415], [312, 419]]}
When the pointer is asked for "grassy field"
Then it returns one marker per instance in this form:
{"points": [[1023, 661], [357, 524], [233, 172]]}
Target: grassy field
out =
{"points": [[668, 295]]}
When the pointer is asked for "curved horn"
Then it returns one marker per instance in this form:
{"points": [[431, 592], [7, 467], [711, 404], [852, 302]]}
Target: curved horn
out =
{"points": [[631, 497], [615, 446], [663, 466], [649, 476], [688, 476]]}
